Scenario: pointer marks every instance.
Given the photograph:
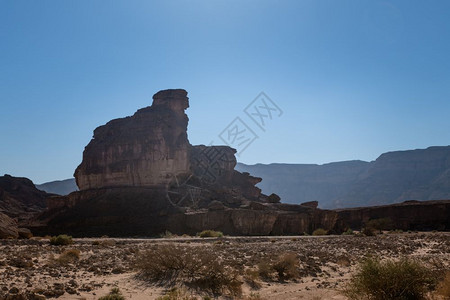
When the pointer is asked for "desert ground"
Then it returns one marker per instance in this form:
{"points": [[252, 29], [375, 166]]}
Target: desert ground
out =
{"points": [[34, 269]]}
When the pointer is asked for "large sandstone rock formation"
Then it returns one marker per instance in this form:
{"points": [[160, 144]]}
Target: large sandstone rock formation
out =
{"points": [[144, 150], [140, 176]]}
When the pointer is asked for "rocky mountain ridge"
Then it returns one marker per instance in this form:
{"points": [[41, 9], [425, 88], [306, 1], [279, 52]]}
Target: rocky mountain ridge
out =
{"points": [[394, 177]]}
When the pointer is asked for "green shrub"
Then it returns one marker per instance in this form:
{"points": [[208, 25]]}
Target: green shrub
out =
{"points": [[210, 233], [390, 280], [198, 268], [61, 239], [320, 231], [114, 294], [348, 232]]}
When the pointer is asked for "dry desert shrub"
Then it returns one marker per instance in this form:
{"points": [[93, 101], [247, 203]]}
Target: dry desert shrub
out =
{"points": [[68, 256], [320, 231], [210, 233], [252, 277], [390, 280], [114, 294], [197, 268], [284, 266], [369, 231], [265, 269]]}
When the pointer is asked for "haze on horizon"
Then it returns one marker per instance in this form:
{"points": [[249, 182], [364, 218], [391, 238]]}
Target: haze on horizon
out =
{"points": [[354, 79]]}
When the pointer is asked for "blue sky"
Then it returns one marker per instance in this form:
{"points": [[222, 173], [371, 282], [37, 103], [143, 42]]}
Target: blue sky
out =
{"points": [[353, 78]]}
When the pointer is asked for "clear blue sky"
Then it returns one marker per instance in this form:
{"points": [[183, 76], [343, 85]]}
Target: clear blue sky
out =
{"points": [[354, 78]]}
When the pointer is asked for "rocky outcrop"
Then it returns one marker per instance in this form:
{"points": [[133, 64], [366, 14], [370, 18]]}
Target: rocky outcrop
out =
{"points": [[8, 227], [19, 198], [409, 215], [20, 203], [422, 174], [144, 150]]}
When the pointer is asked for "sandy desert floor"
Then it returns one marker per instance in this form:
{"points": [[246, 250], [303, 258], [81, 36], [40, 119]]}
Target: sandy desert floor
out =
{"points": [[31, 267]]}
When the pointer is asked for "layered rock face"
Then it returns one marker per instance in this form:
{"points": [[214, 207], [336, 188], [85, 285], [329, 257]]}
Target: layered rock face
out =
{"points": [[145, 150]]}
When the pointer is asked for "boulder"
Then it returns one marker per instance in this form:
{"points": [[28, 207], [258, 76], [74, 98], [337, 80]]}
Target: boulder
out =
{"points": [[24, 233], [8, 227]]}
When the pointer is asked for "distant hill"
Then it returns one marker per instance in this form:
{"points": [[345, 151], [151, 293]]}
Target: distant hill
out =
{"points": [[422, 174], [60, 187]]}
